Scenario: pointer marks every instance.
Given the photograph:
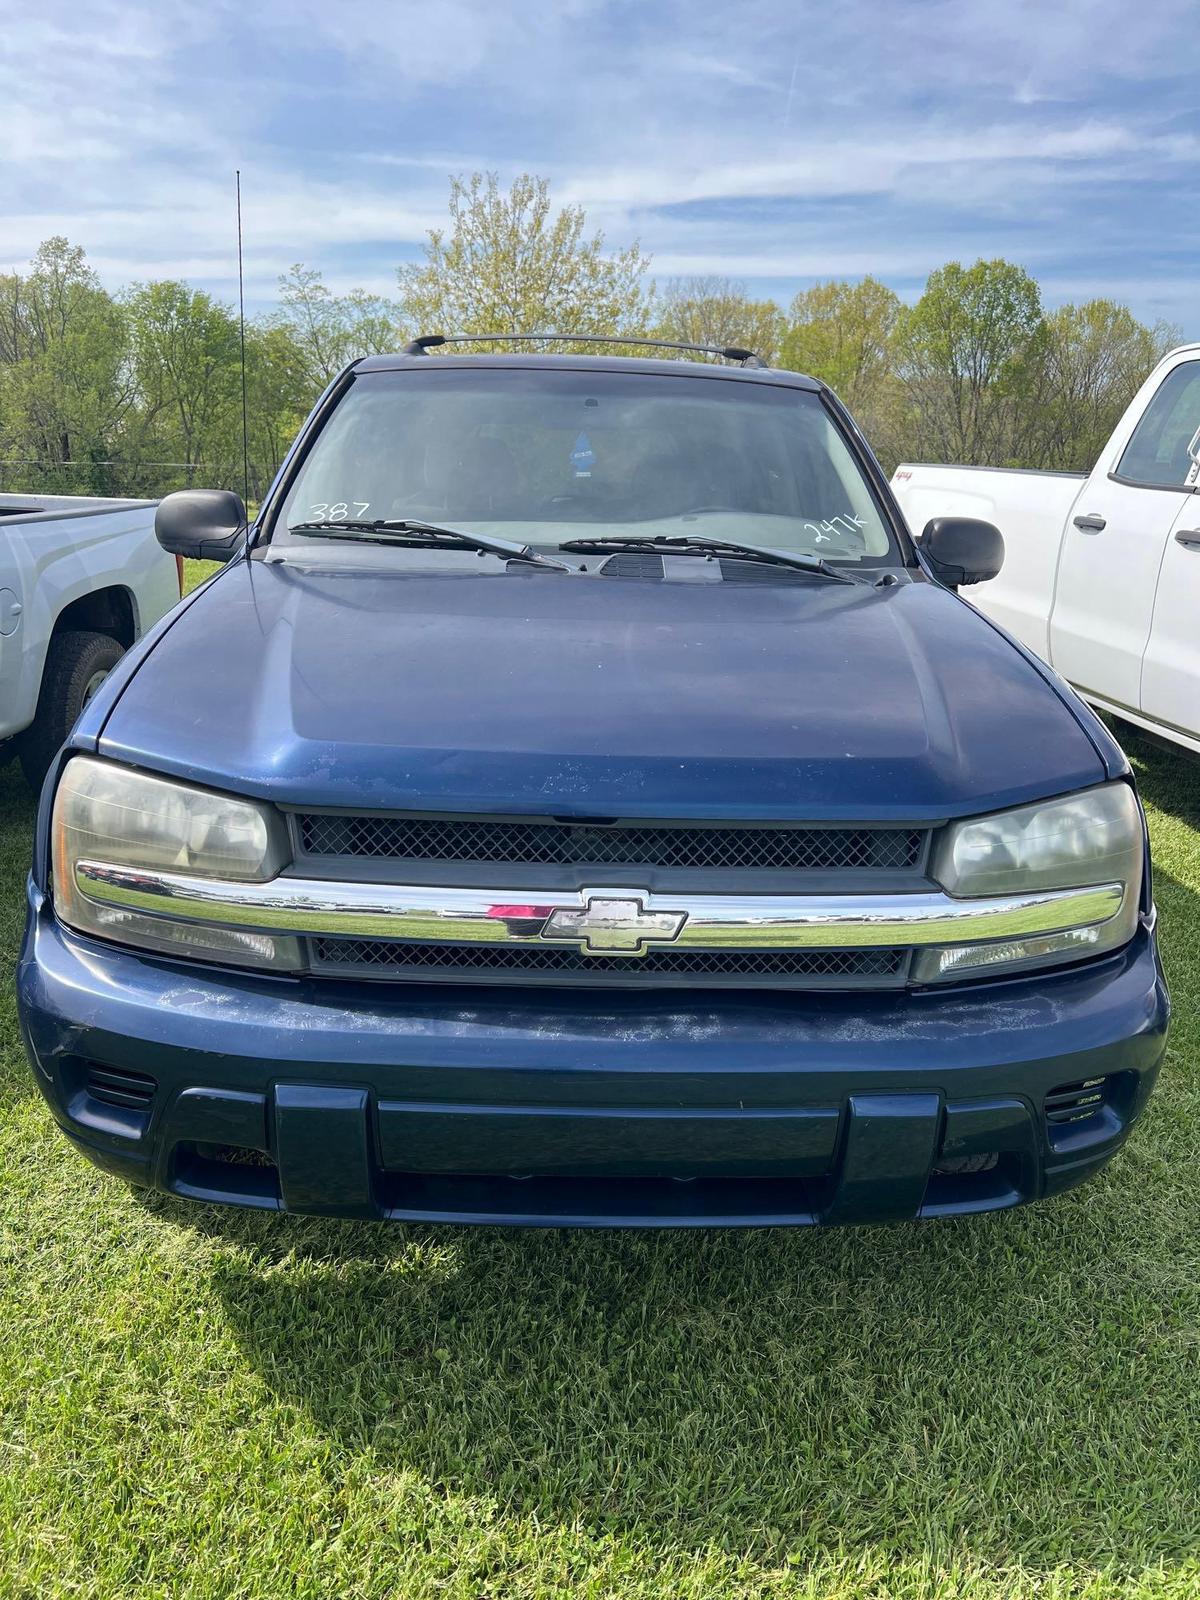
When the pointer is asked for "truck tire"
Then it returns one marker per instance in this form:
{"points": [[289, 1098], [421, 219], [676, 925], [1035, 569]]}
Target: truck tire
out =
{"points": [[77, 663]]}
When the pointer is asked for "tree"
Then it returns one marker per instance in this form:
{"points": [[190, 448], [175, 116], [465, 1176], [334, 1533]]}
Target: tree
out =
{"points": [[186, 359], [719, 312], [280, 393], [510, 263], [841, 333], [1097, 355], [967, 353], [332, 330], [97, 391], [67, 388]]}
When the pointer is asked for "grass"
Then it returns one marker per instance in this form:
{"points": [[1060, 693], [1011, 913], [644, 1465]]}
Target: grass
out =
{"points": [[210, 1404], [195, 572]]}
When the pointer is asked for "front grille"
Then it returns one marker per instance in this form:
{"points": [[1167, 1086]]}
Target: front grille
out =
{"points": [[571, 844], [816, 968], [114, 1086]]}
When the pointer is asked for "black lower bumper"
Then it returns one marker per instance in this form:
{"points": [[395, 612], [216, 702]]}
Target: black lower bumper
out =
{"points": [[574, 1109]]}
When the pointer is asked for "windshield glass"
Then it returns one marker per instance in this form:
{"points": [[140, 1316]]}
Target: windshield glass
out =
{"points": [[546, 455]]}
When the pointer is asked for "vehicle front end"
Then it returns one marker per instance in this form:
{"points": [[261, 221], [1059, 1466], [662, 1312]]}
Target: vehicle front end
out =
{"points": [[451, 887]]}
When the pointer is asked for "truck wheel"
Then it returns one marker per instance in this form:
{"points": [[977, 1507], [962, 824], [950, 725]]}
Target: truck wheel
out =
{"points": [[76, 665]]}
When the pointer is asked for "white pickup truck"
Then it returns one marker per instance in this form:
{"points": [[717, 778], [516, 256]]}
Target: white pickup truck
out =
{"points": [[1101, 572], [80, 580]]}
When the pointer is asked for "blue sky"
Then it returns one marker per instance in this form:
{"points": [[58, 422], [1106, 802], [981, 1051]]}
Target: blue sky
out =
{"points": [[775, 143]]}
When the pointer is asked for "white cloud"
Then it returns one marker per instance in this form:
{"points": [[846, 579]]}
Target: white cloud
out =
{"points": [[762, 141]]}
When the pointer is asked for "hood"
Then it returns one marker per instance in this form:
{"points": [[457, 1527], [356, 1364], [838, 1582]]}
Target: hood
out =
{"points": [[534, 693]]}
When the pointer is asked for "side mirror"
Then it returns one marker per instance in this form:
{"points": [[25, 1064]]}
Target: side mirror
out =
{"points": [[209, 524], [962, 550]]}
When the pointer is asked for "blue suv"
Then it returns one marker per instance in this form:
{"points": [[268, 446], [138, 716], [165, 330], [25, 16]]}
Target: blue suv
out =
{"points": [[579, 800]]}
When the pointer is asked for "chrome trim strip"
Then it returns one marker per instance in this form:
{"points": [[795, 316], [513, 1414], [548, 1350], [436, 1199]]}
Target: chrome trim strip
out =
{"points": [[387, 911]]}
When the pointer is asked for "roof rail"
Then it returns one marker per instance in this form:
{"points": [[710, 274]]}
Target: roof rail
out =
{"points": [[429, 341]]}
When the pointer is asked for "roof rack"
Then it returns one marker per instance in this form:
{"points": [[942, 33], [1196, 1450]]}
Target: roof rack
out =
{"points": [[429, 341]]}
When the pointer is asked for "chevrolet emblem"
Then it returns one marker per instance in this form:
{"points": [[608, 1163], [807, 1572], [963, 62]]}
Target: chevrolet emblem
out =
{"points": [[613, 925]]}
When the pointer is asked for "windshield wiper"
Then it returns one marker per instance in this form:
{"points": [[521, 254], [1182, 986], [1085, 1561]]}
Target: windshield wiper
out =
{"points": [[389, 530], [696, 545]]}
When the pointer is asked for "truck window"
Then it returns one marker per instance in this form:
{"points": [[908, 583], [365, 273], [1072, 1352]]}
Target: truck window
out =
{"points": [[546, 455], [1157, 454]]}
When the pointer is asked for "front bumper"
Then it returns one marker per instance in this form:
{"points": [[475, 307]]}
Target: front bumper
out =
{"points": [[580, 1108]]}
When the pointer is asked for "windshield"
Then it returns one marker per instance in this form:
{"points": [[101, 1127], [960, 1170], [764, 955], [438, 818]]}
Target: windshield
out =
{"points": [[546, 455]]}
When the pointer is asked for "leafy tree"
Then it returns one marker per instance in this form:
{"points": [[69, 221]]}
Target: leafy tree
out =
{"points": [[510, 263], [186, 359], [1096, 357], [67, 385], [841, 333], [966, 351], [279, 392], [95, 392], [332, 330], [718, 311]]}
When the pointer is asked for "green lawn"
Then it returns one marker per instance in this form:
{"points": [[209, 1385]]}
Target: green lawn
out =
{"points": [[195, 572], [202, 1403]]}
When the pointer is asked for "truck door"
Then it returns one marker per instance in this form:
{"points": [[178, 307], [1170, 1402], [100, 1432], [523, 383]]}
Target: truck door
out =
{"points": [[1115, 537], [1171, 669], [10, 635]]}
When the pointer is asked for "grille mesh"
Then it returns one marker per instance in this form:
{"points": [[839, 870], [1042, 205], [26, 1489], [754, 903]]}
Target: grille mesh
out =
{"points": [[367, 955], [780, 849]]}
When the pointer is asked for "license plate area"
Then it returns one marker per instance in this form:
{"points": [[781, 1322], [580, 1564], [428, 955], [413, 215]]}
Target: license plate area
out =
{"points": [[420, 1137]]}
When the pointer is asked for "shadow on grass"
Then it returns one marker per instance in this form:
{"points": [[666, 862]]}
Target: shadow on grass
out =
{"points": [[1006, 1389]]}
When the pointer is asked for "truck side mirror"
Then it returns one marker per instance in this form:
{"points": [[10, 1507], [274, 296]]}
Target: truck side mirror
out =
{"points": [[208, 524], [961, 550]]}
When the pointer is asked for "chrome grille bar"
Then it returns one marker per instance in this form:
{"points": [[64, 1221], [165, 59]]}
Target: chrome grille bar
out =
{"points": [[602, 921]]}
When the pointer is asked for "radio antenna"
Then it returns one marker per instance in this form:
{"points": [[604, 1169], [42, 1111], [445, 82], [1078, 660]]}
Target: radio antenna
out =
{"points": [[242, 337]]}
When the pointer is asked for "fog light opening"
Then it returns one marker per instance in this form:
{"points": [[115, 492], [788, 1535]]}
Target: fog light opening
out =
{"points": [[967, 1166], [237, 1173], [1090, 1110], [233, 1155], [1078, 1102], [984, 1181]]}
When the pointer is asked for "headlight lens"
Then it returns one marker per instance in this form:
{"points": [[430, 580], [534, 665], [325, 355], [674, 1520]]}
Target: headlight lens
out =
{"points": [[1093, 837], [114, 815], [1080, 840]]}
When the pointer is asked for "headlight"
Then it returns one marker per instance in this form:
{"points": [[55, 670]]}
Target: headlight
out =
{"points": [[1075, 842], [114, 815]]}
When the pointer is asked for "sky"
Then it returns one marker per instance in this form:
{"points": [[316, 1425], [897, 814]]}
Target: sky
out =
{"points": [[774, 143]]}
